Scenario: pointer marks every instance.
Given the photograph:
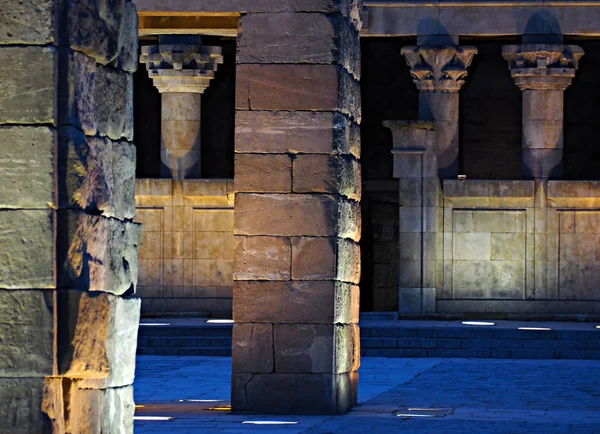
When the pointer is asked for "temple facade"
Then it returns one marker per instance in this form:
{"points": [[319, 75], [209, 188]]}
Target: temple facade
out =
{"points": [[440, 156]]}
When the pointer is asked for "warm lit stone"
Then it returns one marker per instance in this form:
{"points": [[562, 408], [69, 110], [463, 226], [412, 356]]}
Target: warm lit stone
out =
{"points": [[263, 173], [262, 258]]}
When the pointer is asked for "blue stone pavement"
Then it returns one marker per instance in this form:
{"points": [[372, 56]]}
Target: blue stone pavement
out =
{"points": [[468, 395]]}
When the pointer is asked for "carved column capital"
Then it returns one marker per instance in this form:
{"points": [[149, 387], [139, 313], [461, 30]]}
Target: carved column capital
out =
{"points": [[542, 66], [186, 68], [439, 68]]}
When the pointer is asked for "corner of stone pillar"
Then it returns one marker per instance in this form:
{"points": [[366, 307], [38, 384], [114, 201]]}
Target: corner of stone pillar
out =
{"points": [[415, 166]]}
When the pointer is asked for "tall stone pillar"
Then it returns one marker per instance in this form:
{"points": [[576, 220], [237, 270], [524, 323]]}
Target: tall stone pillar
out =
{"points": [[439, 73], [297, 213], [181, 69], [420, 208], [542, 72]]}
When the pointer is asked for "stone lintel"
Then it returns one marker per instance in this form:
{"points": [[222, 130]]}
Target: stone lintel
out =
{"points": [[441, 68]]}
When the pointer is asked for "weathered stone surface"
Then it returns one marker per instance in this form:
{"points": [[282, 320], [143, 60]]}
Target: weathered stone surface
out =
{"points": [[316, 348], [296, 215], [309, 302], [118, 410], [263, 173], [102, 253], [97, 99], [296, 133], [99, 174], [327, 174], [27, 22], [21, 410], [103, 338], [27, 167], [299, 38], [262, 258], [313, 393], [26, 251], [103, 31], [26, 333], [313, 258], [348, 261], [297, 87], [252, 348], [27, 95]]}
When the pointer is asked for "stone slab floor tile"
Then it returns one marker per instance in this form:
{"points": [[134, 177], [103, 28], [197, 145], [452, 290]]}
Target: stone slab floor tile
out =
{"points": [[484, 395]]}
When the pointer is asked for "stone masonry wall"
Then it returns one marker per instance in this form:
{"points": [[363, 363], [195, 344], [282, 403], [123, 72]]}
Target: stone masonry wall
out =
{"points": [[68, 255], [297, 215], [186, 253]]}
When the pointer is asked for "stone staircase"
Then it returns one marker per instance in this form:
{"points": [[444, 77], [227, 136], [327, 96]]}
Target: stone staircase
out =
{"points": [[391, 338]]}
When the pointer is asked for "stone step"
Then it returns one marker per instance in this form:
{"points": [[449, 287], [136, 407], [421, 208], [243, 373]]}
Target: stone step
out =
{"points": [[195, 331], [181, 342], [185, 351]]}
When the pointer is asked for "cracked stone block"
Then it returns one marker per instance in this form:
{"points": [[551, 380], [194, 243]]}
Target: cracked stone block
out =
{"points": [[26, 251], [26, 333], [27, 167], [27, 94], [105, 31], [99, 174], [313, 258], [102, 338], [252, 348], [312, 393], [96, 98], [101, 253]]}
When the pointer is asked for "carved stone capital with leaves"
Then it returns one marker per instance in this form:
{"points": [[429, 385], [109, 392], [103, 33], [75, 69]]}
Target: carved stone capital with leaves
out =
{"points": [[439, 68]]}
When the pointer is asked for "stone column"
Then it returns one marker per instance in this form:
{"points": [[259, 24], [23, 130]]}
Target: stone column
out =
{"points": [[439, 73], [297, 212], [181, 69], [68, 257], [420, 203], [542, 72]]}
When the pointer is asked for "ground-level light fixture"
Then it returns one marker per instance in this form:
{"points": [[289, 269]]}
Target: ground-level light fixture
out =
{"points": [[153, 418], [535, 328], [268, 422], [478, 323], [201, 400], [154, 324], [219, 321]]}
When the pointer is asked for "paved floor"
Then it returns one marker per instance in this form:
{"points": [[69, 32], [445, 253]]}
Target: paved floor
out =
{"points": [[438, 395]]}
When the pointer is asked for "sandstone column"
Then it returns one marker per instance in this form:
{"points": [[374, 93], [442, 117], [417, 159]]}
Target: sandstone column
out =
{"points": [[439, 73], [542, 72], [297, 221], [68, 261], [420, 205], [181, 69]]}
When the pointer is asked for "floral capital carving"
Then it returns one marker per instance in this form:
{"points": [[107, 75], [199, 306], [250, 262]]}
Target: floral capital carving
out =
{"points": [[439, 68], [181, 67], [542, 66]]}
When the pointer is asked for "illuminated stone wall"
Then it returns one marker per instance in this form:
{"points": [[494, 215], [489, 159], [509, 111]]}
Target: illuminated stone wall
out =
{"points": [[186, 253], [68, 261]]}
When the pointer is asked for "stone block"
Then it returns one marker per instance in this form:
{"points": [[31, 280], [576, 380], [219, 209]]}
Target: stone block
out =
{"points": [[494, 221], [416, 300], [587, 222], [297, 87], [472, 246], [313, 393], [249, 6], [101, 254], [27, 94], [312, 302], [466, 188], [570, 189], [106, 34], [577, 247], [27, 167], [99, 174], [470, 279], [316, 348], [26, 251], [252, 348], [296, 132], [96, 99], [102, 338], [27, 22], [26, 333], [296, 215], [262, 258], [313, 258], [208, 245], [263, 173], [504, 188], [508, 247], [348, 261], [327, 174], [21, 411], [506, 280]]}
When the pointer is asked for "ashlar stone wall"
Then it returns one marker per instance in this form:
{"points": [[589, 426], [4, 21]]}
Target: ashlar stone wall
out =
{"points": [[297, 215], [68, 250]]}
